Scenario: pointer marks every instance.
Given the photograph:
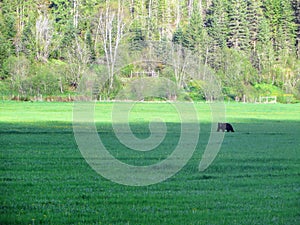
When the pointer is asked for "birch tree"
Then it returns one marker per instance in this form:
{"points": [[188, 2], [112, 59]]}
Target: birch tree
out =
{"points": [[111, 28], [78, 58], [75, 12], [43, 37]]}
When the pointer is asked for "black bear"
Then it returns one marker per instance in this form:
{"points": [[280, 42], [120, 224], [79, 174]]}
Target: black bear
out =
{"points": [[225, 127]]}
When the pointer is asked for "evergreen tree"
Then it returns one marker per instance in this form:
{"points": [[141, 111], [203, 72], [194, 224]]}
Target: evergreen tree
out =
{"points": [[193, 38], [238, 25], [254, 17], [264, 49], [137, 36], [217, 28], [178, 36], [233, 37], [7, 33], [282, 22], [64, 29], [288, 27], [217, 21], [296, 7]]}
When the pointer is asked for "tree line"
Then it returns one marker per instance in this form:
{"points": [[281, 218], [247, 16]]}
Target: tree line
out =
{"points": [[253, 46]]}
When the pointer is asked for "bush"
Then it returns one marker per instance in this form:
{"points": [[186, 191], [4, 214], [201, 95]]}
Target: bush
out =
{"points": [[196, 90], [268, 90], [5, 89], [287, 98], [271, 90], [43, 80]]}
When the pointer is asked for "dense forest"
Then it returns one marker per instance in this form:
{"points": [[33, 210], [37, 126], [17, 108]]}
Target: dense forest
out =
{"points": [[253, 46]]}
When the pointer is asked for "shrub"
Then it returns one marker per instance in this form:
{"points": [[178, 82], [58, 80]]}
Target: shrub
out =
{"points": [[268, 90], [196, 90]]}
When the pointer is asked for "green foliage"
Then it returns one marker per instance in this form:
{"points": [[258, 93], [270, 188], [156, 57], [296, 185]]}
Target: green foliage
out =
{"points": [[5, 51], [217, 22], [46, 81], [137, 36], [244, 42], [287, 98], [126, 71], [17, 69], [239, 37], [148, 88], [268, 90], [196, 90], [282, 20], [236, 73], [178, 36], [193, 38], [5, 89]]}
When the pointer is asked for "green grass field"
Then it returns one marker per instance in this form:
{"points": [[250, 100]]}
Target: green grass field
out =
{"points": [[255, 178]]}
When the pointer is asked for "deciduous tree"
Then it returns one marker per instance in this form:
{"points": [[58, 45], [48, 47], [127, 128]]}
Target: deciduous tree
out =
{"points": [[111, 28]]}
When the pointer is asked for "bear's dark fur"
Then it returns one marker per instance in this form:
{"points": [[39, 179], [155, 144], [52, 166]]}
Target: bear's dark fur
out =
{"points": [[225, 127]]}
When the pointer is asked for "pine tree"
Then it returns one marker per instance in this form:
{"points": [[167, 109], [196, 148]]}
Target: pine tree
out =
{"points": [[288, 27], [138, 25], [7, 34], [238, 26], [178, 36], [217, 27], [193, 38], [282, 22], [296, 7], [264, 48], [63, 26], [254, 17], [137, 36], [217, 21]]}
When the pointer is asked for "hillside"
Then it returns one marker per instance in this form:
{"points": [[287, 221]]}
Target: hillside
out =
{"points": [[252, 46]]}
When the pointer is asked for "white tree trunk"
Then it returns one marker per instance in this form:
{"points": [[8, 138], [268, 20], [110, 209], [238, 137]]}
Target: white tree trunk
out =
{"points": [[76, 4], [43, 37], [111, 29]]}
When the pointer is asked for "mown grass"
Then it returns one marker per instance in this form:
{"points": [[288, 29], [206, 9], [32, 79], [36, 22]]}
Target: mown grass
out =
{"points": [[253, 180]]}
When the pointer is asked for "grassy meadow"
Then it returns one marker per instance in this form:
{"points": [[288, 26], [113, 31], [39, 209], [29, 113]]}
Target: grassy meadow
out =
{"points": [[255, 179]]}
